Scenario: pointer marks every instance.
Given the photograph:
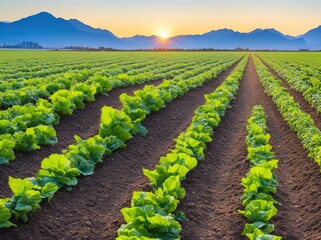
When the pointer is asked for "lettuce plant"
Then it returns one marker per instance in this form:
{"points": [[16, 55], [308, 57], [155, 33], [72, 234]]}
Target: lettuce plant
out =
{"points": [[171, 165], [102, 83], [134, 107], [65, 101], [25, 141], [59, 170], [150, 222], [43, 134], [85, 154], [7, 144], [259, 210], [26, 197], [115, 123], [150, 97], [89, 91], [258, 234]]}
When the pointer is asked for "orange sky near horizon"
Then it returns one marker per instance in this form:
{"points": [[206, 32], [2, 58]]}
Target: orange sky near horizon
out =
{"points": [[144, 17]]}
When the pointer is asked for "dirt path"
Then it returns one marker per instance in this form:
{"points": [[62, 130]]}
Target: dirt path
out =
{"points": [[298, 97], [213, 188], [83, 122], [92, 209]]}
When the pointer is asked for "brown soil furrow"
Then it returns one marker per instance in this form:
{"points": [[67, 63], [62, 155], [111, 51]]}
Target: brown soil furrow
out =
{"points": [[299, 192], [213, 188], [83, 122], [92, 209], [298, 97]]}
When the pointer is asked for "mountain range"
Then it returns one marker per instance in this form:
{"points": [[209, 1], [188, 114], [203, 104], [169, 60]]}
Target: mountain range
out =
{"points": [[52, 32]]}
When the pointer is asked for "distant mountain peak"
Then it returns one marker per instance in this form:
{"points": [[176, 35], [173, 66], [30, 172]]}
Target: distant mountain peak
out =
{"points": [[43, 15], [257, 30], [74, 20], [271, 30], [223, 30], [220, 32], [39, 18]]}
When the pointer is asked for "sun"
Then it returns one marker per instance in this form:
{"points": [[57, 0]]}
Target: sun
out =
{"points": [[163, 34]]}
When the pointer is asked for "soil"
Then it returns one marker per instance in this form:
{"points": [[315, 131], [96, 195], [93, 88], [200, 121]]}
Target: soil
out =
{"points": [[213, 188], [92, 209]]}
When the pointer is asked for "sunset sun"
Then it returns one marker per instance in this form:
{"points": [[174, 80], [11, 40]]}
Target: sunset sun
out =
{"points": [[163, 34]]}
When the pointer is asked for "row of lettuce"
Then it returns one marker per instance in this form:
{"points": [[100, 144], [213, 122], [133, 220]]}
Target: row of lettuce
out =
{"points": [[114, 67], [30, 65], [25, 128], [42, 67], [61, 80], [305, 79], [260, 182], [34, 68], [117, 126], [17, 92], [152, 214], [298, 120]]}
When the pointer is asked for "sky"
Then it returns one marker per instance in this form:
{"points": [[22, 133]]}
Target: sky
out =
{"points": [[175, 17]]}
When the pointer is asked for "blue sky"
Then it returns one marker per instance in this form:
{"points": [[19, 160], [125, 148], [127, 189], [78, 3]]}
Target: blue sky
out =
{"points": [[130, 17]]}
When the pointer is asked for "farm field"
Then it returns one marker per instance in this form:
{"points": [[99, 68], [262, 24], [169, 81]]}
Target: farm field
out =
{"points": [[168, 145]]}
